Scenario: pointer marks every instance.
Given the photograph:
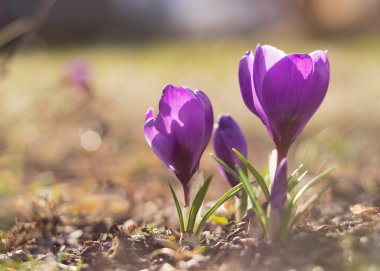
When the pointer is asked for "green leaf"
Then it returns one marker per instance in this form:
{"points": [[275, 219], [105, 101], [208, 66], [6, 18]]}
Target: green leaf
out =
{"points": [[243, 203], [311, 183], [288, 216], [196, 205], [230, 193], [295, 178], [259, 210], [285, 219], [226, 167], [178, 207], [260, 180], [308, 203]]}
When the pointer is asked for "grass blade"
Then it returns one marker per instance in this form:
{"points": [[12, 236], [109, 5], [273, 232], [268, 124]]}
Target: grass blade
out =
{"points": [[226, 167], [287, 219], [197, 203], [260, 180], [295, 178], [311, 183], [178, 207], [255, 202], [243, 204], [308, 203], [230, 193]]}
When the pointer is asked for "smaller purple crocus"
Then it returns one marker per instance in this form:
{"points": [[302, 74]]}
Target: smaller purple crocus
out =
{"points": [[180, 132], [283, 90], [228, 135]]}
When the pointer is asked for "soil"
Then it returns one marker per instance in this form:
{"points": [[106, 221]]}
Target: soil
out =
{"points": [[332, 236]]}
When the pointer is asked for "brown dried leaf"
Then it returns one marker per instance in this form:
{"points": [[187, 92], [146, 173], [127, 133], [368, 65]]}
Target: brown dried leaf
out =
{"points": [[367, 212]]}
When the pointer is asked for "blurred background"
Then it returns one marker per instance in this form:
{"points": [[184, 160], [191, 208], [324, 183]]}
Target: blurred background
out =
{"points": [[77, 76]]}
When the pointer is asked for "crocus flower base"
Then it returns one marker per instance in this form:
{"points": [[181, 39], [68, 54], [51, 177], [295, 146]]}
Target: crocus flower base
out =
{"points": [[274, 224], [191, 218]]}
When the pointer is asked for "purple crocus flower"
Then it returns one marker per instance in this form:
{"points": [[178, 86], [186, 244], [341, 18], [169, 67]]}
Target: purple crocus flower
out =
{"points": [[78, 72], [228, 135], [181, 131], [284, 91], [78, 75]]}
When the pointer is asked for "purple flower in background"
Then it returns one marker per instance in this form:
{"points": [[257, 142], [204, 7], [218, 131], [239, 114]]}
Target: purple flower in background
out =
{"points": [[284, 91], [78, 72], [228, 135], [78, 77], [181, 131]]}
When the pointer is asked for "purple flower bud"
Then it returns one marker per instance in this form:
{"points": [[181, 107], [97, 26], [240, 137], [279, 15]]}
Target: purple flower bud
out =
{"points": [[284, 91], [228, 135], [181, 131]]}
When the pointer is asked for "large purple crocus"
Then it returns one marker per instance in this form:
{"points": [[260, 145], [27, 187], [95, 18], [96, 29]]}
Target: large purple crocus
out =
{"points": [[284, 91], [228, 135], [181, 131]]}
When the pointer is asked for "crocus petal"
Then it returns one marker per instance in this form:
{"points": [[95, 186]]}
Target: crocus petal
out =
{"points": [[149, 114], [163, 147], [321, 75], [247, 86], [265, 57], [279, 188], [171, 102], [283, 86], [252, 70], [245, 80], [207, 107], [150, 130], [228, 135], [320, 81], [310, 100], [191, 135]]}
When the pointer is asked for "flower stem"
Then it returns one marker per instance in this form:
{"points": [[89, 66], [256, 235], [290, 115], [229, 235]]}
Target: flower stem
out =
{"points": [[189, 239], [280, 184], [281, 154], [186, 192]]}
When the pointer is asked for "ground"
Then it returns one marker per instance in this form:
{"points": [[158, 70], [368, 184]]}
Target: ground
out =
{"points": [[68, 203]]}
